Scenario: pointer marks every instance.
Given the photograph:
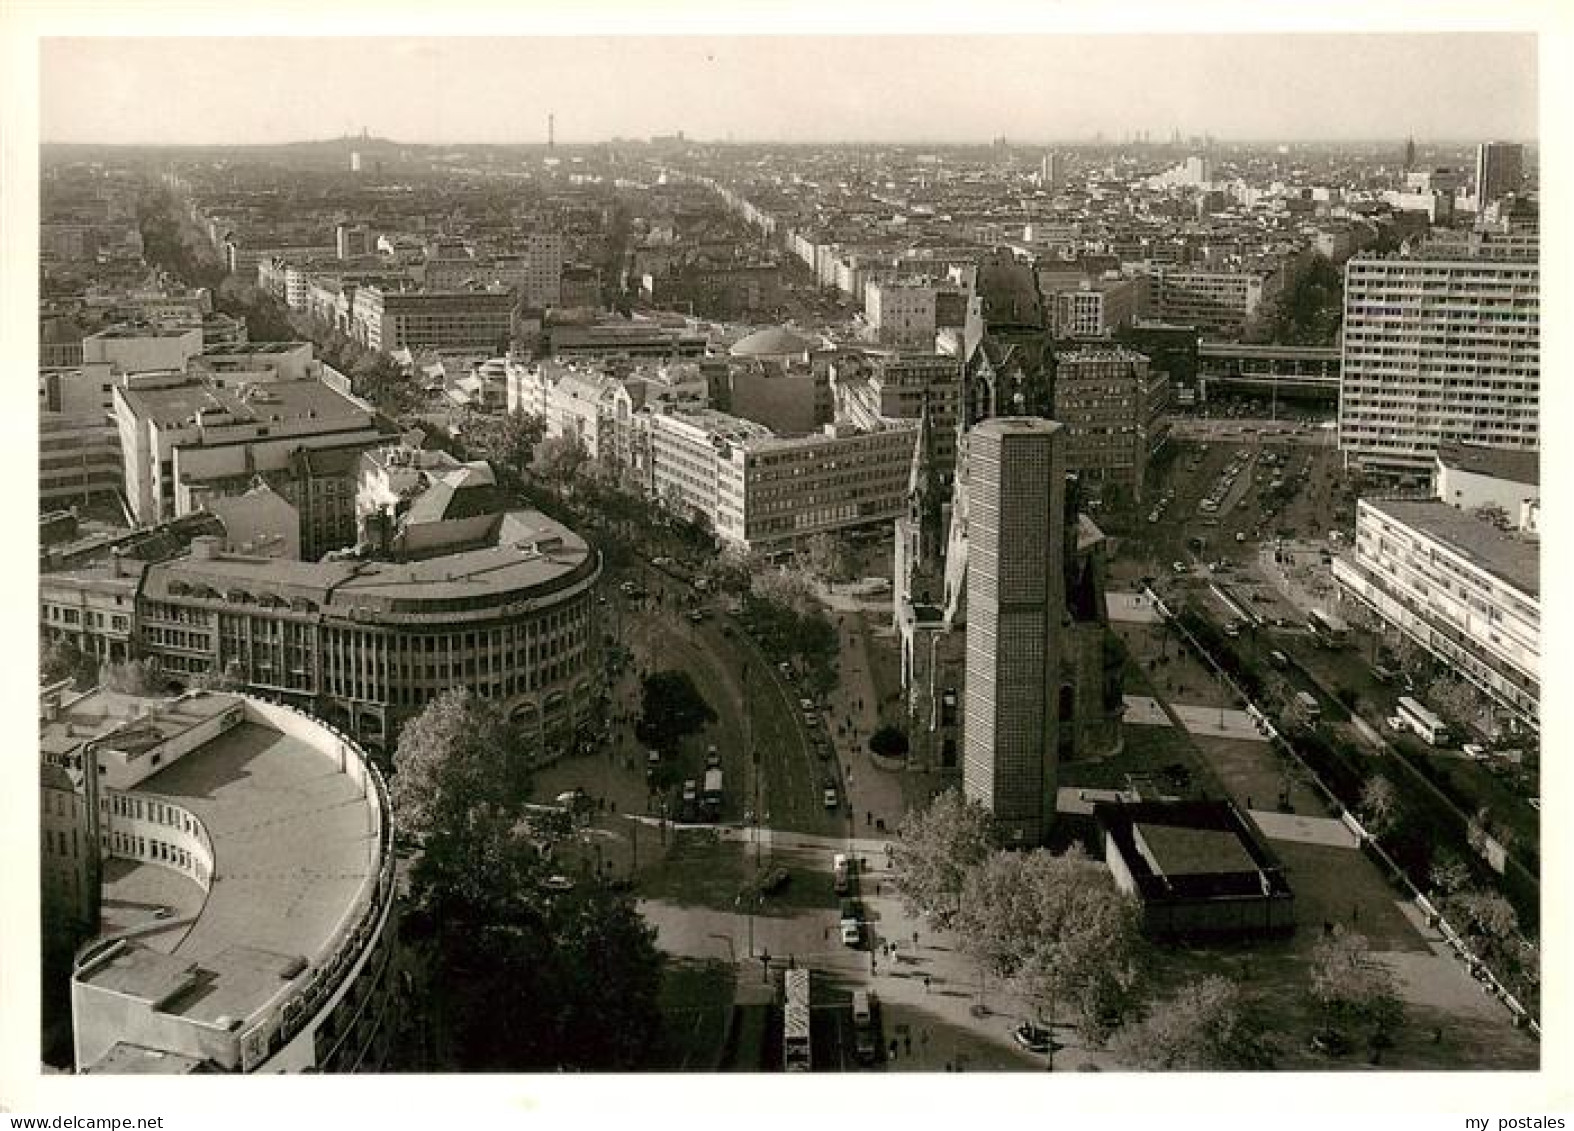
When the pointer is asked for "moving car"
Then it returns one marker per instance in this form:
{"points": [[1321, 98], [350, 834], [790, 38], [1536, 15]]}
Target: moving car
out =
{"points": [[851, 923], [831, 797]]}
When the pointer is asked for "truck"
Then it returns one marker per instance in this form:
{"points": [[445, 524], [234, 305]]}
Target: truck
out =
{"points": [[710, 795]]}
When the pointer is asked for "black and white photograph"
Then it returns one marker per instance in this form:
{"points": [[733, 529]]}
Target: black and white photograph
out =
{"points": [[695, 547]]}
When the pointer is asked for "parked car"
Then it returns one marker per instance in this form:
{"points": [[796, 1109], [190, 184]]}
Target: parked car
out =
{"points": [[1474, 751], [831, 797], [1181, 567], [1032, 1037]]}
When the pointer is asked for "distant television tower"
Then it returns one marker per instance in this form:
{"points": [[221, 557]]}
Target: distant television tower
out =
{"points": [[551, 131]]}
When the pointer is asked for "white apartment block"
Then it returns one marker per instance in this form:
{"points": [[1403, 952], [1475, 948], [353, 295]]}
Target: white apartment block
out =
{"points": [[1443, 344], [1465, 590]]}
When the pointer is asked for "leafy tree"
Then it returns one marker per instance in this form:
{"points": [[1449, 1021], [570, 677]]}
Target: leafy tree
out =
{"points": [[889, 742], [520, 978], [558, 459], [1206, 1027], [1449, 873], [1352, 985], [826, 557], [61, 659], [132, 677], [672, 708], [507, 441], [936, 847], [1057, 927], [378, 378], [1381, 808], [457, 756], [1486, 917]]}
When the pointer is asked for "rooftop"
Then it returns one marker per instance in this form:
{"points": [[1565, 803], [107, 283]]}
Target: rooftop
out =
{"points": [[532, 552], [1510, 557], [1497, 463], [777, 341], [150, 331], [272, 401], [295, 842]]}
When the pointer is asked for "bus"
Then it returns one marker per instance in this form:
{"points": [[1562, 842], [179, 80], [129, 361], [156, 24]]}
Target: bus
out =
{"points": [[1426, 725], [1327, 629], [710, 797], [796, 1053]]}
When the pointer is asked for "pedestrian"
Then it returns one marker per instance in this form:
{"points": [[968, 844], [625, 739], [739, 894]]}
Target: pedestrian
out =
{"points": [[915, 940], [926, 983], [1355, 913], [894, 1047], [868, 818], [907, 1043], [877, 886]]}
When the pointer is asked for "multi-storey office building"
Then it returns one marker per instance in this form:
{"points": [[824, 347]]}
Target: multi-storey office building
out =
{"points": [[774, 491], [901, 312], [395, 320], [871, 390], [1499, 171], [367, 644], [1015, 599], [1221, 301], [1460, 587], [275, 834], [1441, 344], [179, 433], [78, 443], [1094, 308], [765, 492], [1114, 410]]}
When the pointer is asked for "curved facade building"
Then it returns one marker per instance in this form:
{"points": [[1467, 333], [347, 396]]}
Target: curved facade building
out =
{"points": [[367, 644], [267, 835]]}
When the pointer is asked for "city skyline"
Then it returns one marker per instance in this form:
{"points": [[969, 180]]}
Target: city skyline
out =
{"points": [[847, 89]]}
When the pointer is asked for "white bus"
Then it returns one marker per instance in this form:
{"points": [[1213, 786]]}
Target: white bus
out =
{"points": [[1426, 725], [796, 1053], [1327, 629]]}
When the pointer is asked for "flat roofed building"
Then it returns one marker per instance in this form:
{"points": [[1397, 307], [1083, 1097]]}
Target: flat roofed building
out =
{"points": [[143, 348], [180, 434], [367, 644], [1469, 477], [1115, 409], [278, 957], [1442, 344], [1459, 586], [1199, 868]]}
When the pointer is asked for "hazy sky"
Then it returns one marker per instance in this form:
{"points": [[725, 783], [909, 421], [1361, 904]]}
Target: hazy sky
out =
{"points": [[1031, 88]]}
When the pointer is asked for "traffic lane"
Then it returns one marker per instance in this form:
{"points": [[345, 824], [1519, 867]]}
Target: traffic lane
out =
{"points": [[789, 783]]}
